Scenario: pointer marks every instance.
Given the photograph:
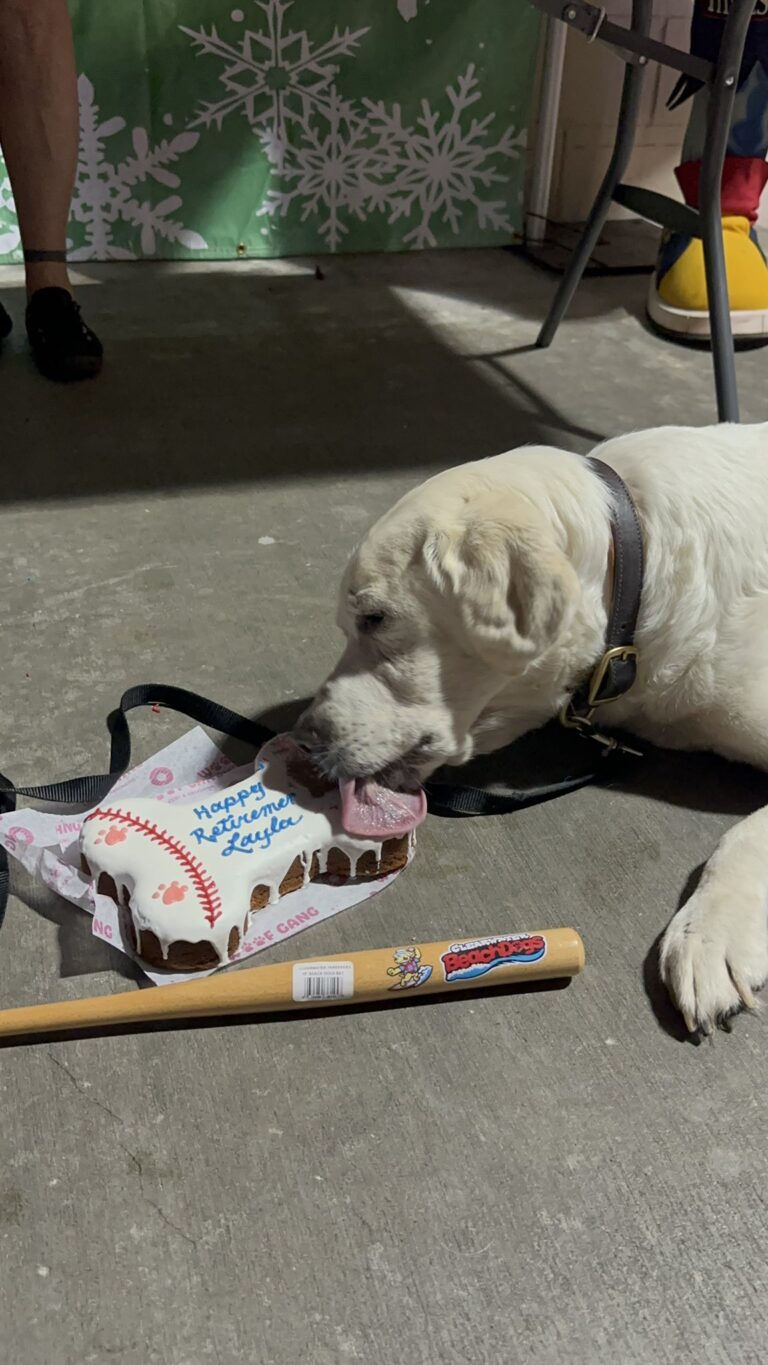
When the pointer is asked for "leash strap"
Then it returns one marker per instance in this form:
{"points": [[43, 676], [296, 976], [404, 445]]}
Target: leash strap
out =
{"points": [[452, 800]]}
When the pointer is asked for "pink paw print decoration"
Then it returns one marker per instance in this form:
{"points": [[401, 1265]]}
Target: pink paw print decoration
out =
{"points": [[112, 836], [170, 895]]}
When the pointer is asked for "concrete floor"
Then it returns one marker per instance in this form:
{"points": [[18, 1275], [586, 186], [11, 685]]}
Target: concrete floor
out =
{"points": [[545, 1177]]}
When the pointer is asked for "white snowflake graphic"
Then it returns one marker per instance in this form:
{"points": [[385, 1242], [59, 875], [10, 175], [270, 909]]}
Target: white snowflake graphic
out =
{"points": [[108, 193], [274, 76], [439, 168], [332, 172], [434, 170], [10, 237]]}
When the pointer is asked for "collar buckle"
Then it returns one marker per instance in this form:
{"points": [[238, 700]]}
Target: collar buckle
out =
{"points": [[619, 654], [581, 718]]}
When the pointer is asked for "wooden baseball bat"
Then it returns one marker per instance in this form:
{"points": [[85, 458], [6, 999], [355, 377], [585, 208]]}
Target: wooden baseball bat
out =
{"points": [[411, 971]]}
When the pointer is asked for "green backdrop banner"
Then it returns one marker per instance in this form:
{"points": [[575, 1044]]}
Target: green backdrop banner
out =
{"points": [[279, 128]]}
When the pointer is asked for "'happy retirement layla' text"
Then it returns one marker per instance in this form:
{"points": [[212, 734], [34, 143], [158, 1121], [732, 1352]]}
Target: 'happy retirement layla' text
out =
{"points": [[245, 821]]}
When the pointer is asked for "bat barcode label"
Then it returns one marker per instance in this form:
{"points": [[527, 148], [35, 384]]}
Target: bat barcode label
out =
{"points": [[323, 981]]}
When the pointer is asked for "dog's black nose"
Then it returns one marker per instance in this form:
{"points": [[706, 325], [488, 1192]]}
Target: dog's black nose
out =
{"points": [[310, 733]]}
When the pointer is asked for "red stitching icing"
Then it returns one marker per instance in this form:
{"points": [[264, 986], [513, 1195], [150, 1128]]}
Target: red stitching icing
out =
{"points": [[205, 886]]}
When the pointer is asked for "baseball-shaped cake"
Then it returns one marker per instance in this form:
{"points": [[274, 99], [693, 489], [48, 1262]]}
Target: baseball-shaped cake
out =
{"points": [[188, 877]]}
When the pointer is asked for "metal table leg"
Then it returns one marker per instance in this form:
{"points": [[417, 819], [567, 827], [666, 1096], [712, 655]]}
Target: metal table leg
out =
{"points": [[622, 150], [719, 113]]}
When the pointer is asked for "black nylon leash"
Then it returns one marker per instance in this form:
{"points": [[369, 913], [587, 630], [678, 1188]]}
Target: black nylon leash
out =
{"points": [[446, 799]]}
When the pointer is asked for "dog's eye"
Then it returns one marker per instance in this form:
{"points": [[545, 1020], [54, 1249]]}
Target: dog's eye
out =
{"points": [[371, 622]]}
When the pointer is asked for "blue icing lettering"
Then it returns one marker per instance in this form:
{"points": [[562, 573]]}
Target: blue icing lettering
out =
{"points": [[245, 821], [257, 839], [229, 823], [232, 800]]}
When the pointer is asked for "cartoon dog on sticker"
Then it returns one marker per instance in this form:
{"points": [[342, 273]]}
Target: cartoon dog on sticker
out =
{"points": [[408, 969]]}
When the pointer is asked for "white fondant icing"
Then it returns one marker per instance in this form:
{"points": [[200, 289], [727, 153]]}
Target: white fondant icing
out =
{"points": [[188, 870]]}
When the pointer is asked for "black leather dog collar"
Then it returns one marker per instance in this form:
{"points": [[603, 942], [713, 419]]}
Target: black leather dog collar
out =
{"points": [[616, 671]]}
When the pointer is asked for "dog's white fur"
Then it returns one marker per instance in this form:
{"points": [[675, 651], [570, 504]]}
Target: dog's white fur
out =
{"points": [[493, 583]]}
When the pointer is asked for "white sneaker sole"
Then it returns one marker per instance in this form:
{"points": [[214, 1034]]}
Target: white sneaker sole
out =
{"points": [[684, 322]]}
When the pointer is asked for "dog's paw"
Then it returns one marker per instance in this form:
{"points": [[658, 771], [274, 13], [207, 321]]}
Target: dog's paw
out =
{"points": [[714, 955]]}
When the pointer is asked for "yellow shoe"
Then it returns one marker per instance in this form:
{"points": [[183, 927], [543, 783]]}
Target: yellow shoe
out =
{"points": [[677, 300]]}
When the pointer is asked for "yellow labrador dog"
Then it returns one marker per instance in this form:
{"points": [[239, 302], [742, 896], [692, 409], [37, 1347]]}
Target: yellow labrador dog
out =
{"points": [[479, 602]]}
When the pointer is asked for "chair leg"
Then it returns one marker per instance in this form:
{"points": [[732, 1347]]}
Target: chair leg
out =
{"points": [[719, 115], [622, 150]]}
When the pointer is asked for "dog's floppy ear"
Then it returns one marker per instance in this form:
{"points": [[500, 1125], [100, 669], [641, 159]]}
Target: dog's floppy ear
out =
{"points": [[512, 588]]}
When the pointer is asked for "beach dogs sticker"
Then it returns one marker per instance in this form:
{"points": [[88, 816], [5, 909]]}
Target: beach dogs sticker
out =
{"points": [[465, 961], [408, 969], [478, 956]]}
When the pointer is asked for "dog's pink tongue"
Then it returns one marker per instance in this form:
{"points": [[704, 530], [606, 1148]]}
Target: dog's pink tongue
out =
{"points": [[371, 811]]}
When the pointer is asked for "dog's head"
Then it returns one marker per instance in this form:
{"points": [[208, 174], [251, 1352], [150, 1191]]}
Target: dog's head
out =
{"points": [[457, 609]]}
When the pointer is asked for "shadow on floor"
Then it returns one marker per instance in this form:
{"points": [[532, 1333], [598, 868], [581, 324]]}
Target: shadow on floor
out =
{"points": [[216, 378]]}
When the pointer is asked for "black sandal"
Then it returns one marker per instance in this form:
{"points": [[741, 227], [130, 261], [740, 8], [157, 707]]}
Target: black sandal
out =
{"points": [[5, 325], [63, 347]]}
